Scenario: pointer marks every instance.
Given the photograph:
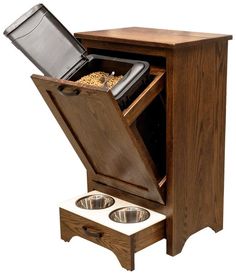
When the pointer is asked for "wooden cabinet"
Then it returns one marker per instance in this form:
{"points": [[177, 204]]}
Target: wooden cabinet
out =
{"points": [[190, 69]]}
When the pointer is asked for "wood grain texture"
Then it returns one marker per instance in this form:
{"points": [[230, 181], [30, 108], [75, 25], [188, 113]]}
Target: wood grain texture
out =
{"points": [[195, 185], [121, 245], [151, 37], [148, 236], [195, 67], [65, 125], [144, 99], [89, 181], [97, 124], [116, 46], [195, 123]]}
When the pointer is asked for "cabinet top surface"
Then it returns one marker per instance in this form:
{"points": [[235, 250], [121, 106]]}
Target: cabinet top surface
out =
{"points": [[151, 37]]}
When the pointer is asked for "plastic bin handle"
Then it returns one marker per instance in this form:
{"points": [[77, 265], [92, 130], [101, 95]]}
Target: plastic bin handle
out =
{"points": [[61, 90]]}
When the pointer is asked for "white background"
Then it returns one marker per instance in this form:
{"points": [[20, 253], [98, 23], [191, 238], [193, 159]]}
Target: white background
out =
{"points": [[38, 167]]}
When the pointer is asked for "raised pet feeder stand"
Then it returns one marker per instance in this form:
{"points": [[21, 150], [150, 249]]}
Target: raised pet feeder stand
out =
{"points": [[122, 227]]}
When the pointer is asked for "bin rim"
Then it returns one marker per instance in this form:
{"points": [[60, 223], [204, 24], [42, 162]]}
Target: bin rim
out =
{"points": [[22, 19]]}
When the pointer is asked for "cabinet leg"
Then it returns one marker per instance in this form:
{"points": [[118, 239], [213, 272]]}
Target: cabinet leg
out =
{"points": [[174, 247], [217, 227], [175, 242], [217, 215], [126, 259], [66, 233]]}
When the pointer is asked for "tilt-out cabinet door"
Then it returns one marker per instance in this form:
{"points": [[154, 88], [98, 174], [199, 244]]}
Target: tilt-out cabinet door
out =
{"points": [[101, 135]]}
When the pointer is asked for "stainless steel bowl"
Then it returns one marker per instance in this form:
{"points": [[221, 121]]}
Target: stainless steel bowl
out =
{"points": [[96, 201], [129, 214]]}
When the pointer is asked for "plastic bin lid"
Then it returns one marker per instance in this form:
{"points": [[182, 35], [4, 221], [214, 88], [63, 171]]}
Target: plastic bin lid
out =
{"points": [[45, 41]]}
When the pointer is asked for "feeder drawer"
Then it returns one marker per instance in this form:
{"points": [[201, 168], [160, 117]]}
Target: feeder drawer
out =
{"points": [[107, 227]]}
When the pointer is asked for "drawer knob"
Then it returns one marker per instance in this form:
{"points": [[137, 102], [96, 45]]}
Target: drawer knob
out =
{"points": [[92, 232]]}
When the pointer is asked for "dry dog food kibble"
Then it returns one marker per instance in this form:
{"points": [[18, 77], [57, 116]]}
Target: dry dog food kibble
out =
{"points": [[99, 79]]}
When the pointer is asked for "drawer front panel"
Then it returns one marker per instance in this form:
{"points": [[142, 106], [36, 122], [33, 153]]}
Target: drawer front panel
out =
{"points": [[74, 225]]}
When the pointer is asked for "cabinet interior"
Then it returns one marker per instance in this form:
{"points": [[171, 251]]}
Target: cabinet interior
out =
{"points": [[151, 124]]}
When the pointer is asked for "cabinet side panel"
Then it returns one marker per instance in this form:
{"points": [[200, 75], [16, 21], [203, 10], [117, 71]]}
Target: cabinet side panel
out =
{"points": [[198, 121]]}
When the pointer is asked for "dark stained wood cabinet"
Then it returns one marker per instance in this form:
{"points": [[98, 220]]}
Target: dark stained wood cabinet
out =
{"points": [[190, 70]]}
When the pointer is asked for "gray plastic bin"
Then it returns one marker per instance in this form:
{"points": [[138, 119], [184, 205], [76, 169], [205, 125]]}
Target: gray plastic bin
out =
{"points": [[49, 45]]}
